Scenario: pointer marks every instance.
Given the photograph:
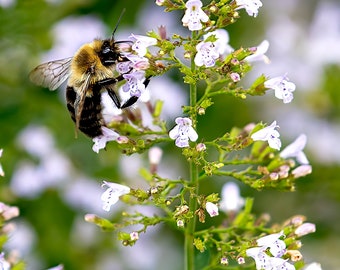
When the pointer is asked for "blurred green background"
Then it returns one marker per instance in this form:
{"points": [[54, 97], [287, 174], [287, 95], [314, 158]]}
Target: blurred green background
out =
{"points": [[55, 179]]}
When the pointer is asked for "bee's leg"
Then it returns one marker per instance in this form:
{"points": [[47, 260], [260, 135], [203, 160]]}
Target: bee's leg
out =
{"points": [[114, 97], [132, 100], [111, 81]]}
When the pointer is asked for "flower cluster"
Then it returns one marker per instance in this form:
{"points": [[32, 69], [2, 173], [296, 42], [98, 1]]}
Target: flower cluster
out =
{"points": [[276, 247]]}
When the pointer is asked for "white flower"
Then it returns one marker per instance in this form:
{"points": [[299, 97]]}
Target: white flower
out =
{"points": [[180, 223], [135, 63], [134, 236], [212, 209], [312, 266], [2, 173], [280, 264], [251, 6], [262, 260], [101, 140], [276, 246], [112, 194], [224, 261], [231, 199], [159, 2], [222, 43], [194, 15], [141, 43], [206, 54], [4, 265], [302, 170], [58, 267], [259, 54], [305, 228], [294, 150], [283, 88], [155, 155], [134, 83], [269, 134], [182, 132]]}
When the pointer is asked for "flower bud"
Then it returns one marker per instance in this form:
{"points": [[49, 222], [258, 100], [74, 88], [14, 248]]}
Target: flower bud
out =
{"points": [[305, 228]]}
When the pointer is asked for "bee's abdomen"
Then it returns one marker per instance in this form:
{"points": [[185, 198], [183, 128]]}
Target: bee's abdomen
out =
{"points": [[91, 119]]}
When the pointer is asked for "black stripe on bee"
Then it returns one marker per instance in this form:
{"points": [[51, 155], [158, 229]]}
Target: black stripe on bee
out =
{"points": [[91, 119]]}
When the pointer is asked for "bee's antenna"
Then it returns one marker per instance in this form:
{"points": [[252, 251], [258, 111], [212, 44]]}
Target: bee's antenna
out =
{"points": [[120, 17]]}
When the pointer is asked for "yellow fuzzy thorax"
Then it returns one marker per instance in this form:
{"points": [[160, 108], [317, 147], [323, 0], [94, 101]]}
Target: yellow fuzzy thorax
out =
{"points": [[86, 62]]}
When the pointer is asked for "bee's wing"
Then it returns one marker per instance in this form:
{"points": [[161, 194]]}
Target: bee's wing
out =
{"points": [[51, 74], [80, 99]]}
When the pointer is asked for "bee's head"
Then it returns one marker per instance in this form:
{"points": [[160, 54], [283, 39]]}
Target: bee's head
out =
{"points": [[109, 53]]}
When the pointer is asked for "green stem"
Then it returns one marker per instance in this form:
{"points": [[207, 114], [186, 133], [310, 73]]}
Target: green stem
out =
{"points": [[189, 252]]}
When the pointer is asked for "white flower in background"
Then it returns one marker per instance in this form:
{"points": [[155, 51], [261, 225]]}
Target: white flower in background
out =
{"points": [[134, 83], [283, 88], [312, 266], [231, 199], [100, 141], [206, 54], [222, 43], [112, 194], [251, 6], [8, 212], [159, 2], [134, 236], [4, 265], [212, 209], [182, 132], [2, 173], [194, 15], [259, 54], [58, 267], [141, 43], [294, 150], [269, 134]]}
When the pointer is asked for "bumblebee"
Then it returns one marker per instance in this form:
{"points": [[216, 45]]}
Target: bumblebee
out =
{"points": [[89, 72]]}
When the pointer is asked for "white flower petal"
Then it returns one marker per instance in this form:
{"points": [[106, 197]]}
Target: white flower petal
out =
{"points": [[212, 209], [194, 15], [182, 132], [112, 194], [268, 240], [294, 150]]}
